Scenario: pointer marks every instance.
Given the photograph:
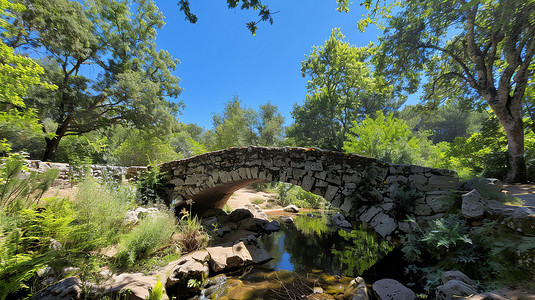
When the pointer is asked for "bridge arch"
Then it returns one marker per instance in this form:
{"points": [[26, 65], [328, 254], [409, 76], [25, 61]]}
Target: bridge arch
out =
{"points": [[366, 189]]}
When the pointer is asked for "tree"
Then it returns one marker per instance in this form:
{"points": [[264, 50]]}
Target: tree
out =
{"points": [[341, 89], [234, 127], [385, 137], [445, 123], [17, 74], [114, 39], [270, 125], [482, 49]]}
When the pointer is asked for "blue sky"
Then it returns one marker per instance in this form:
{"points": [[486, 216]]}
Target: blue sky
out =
{"points": [[220, 58]]}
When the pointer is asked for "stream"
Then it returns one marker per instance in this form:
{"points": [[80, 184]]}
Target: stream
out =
{"points": [[310, 254]]}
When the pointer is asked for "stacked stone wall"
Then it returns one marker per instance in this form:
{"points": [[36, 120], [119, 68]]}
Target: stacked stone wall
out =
{"points": [[367, 189], [68, 172]]}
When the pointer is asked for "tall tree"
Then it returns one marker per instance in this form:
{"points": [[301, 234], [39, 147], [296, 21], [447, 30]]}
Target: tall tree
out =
{"points": [[235, 126], [102, 56], [341, 88], [270, 125], [478, 49], [18, 74]]}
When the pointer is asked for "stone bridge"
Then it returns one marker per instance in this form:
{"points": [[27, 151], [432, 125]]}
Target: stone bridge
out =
{"points": [[368, 190]]}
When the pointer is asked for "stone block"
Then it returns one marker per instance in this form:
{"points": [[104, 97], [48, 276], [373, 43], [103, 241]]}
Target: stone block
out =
{"points": [[348, 204], [383, 224], [307, 183], [313, 166], [330, 193], [422, 210], [298, 173], [439, 201], [369, 214], [321, 175], [417, 180]]}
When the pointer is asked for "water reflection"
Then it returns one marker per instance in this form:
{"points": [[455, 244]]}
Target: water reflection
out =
{"points": [[311, 244]]}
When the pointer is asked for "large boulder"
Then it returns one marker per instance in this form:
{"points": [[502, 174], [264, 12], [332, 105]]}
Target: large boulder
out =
{"points": [[241, 253], [193, 266], [390, 289], [240, 214], [258, 213], [456, 275], [473, 205], [341, 222], [273, 226], [492, 184], [454, 289], [136, 285], [291, 209], [252, 224], [356, 290], [66, 289]]}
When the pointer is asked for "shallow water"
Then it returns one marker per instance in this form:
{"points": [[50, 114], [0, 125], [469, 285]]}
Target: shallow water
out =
{"points": [[312, 245]]}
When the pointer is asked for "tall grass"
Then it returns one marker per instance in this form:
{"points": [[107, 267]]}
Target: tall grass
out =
{"points": [[152, 232], [101, 210]]}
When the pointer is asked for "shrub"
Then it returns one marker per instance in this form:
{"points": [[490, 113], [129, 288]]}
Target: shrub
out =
{"points": [[293, 194], [152, 232], [18, 190], [100, 212], [192, 234]]}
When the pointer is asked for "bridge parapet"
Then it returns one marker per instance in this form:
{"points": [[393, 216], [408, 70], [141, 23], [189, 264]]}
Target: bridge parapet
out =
{"points": [[369, 190]]}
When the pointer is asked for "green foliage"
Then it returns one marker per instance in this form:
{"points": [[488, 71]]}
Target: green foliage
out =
{"points": [[142, 148], [314, 225], [100, 211], [364, 252], [458, 51], [237, 126], [135, 79], [18, 190], [193, 236], [152, 232], [150, 186], [389, 139], [341, 89], [293, 194], [156, 293]]}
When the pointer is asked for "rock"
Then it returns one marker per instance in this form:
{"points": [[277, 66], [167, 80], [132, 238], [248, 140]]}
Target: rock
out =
{"points": [[209, 223], [252, 224], [390, 289], [473, 206], [383, 224], [212, 212], [291, 209], [340, 221], [243, 252], [273, 226], [483, 183], [235, 235], [137, 285], [356, 290], [454, 289], [132, 216], [240, 214], [456, 275], [67, 289], [287, 219], [258, 213], [214, 287], [522, 212], [192, 266]]}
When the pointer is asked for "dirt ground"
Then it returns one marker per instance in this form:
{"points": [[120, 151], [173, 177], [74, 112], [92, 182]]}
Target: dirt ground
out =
{"points": [[525, 192]]}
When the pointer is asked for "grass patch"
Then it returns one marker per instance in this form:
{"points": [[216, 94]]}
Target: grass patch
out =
{"points": [[257, 201], [152, 233]]}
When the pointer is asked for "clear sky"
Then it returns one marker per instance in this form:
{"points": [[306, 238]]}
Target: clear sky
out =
{"points": [[220, 58]]}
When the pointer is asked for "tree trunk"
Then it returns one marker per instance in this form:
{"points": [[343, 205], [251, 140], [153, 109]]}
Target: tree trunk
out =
{"points": [[51, 147], [516, 164]]}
